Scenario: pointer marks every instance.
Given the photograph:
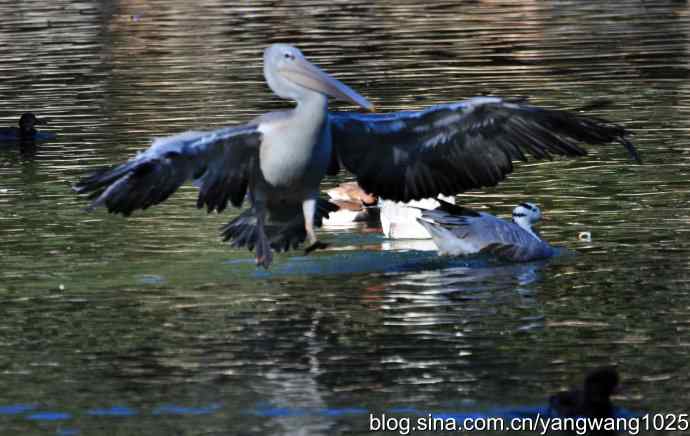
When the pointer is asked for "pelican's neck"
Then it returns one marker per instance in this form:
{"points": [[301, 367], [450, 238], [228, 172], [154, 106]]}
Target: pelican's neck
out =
{"points": [[313, 105], [524, 223]]}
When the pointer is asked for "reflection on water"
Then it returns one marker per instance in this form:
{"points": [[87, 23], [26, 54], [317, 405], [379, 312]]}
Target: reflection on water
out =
{"points": [[151, 325]]}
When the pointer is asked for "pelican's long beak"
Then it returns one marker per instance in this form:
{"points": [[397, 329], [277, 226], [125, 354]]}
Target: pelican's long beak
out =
{"points": [[310, 76]]}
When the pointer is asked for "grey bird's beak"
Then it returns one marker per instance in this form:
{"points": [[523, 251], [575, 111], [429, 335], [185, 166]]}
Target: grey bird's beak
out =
{"points": [[310, 76]]}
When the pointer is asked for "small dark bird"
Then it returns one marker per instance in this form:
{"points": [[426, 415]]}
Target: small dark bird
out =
{"points": [[26, 130], [592, 401]]}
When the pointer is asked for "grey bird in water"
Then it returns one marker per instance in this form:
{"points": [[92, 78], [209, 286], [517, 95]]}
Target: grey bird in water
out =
{"points": [[460, 231], [280, 158]]}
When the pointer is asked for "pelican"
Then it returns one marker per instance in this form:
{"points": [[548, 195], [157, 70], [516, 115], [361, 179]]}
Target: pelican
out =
{"points": [[459, 231], [280, 158]]}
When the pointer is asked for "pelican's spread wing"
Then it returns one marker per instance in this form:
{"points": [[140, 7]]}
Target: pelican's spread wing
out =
{"points": [[219, 162], [456, 147]]}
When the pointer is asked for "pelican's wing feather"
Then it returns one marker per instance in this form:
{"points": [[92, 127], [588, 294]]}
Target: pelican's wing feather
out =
{"points": [[455, 147], [219, 162]]}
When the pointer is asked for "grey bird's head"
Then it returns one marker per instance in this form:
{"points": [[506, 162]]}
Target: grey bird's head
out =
{"points": [[526, 214]]}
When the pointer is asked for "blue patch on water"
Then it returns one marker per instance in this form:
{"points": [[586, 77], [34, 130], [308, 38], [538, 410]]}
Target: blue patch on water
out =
{"points": [[355, 262], [275, 412], [524, 412], [385, 262], [12, 136], [170, 409], [343, 411], [457, 416], [112, 411], [44, 136], [49, 416], [402, 410], [150, 279], [507, 414], [67, 431], [527, 412], [16, 409], [249, 261]]}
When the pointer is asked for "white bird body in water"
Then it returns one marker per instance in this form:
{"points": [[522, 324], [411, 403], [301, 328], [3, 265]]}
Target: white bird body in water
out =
{"points": [[399, 219], [460, 231], [279, 159]]}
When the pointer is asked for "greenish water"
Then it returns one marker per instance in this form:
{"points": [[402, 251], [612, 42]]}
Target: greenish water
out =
{"points": [[151, 325]]}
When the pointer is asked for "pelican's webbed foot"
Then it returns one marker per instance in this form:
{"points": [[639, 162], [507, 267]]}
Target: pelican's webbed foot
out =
{"points": [[317, 245], [264, 254]]}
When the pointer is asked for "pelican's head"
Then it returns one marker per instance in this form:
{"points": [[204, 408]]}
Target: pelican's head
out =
{"points": [[291, 76], [27, 122], [526, 215]]}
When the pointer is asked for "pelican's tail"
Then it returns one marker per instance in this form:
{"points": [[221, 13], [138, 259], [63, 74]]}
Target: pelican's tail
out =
{"points": [[284, 229]]}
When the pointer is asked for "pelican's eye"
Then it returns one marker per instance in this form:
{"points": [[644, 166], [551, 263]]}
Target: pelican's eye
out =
{"points": [[289, 56]]}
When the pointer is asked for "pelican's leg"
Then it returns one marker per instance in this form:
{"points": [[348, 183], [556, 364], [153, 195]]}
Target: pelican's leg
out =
{"points": [[309, 210], [264, 255]]}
